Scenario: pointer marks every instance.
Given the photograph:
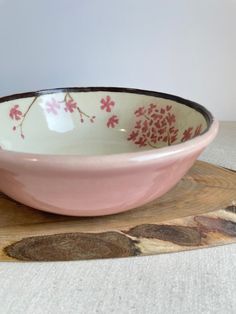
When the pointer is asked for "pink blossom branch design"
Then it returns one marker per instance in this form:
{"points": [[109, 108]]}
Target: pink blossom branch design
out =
{"points": [[16, 114], [71, 106], [52, 107]]}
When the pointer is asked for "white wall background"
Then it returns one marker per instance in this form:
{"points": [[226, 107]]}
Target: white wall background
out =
{"points": [[184, 47]]}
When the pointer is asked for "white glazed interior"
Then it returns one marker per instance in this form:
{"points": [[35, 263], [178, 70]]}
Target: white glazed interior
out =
{"points": [[95, 123]]}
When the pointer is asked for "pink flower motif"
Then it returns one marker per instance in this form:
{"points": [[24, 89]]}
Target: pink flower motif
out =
{"points": [[187, 134], [107, 104], [173, 130], [153, 130], [71, 105], [151, 107], [141, 142], [140, 112], [150, 122], [170, 118], [133, 135], [15, 113], [173, 138], [158, 124], [154, 126], [156, 116], [154, 138], [163, 123], [112, 121], [53, 106], [138, 124], [145, 126], [198, 130], [162, 131]]}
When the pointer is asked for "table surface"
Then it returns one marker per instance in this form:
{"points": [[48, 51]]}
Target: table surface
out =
{"points": [[201, 281]]}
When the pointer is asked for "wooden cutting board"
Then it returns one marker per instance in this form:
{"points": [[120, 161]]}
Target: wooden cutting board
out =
{"points": [[199, 212]]}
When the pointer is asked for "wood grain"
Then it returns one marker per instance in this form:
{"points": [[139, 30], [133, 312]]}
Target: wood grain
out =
{"points": [[199, 212]]}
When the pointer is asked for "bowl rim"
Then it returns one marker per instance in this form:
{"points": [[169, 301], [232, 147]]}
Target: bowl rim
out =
{"points": [[151, 154], [189, 103]]}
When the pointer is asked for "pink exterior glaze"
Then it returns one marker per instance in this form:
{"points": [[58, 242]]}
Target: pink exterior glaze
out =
{"points": [[97, 185]]}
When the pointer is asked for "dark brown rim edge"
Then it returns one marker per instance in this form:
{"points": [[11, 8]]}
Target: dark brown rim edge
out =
{"points": [[207, 114]]}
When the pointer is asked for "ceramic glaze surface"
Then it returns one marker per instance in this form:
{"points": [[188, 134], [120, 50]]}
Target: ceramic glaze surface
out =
{"points": [[95, 123], [97, 151]]}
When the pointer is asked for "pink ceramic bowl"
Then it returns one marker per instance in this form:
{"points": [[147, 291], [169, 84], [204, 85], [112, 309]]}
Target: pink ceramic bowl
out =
{"points": [[97, 151]]}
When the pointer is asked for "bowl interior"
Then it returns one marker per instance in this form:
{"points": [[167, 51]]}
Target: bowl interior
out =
{"points": [[94, 122]]}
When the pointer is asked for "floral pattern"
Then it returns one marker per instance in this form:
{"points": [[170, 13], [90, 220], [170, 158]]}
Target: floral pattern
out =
{"points": [[53, 107], [198, 130], [70, 105], [112, 121], [154, 125], [187, 135], [15, 113], [107, 104]]}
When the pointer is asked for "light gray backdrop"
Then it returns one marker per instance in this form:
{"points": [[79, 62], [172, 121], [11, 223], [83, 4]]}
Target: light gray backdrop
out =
{"points": [[183, 47]]}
